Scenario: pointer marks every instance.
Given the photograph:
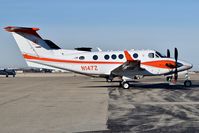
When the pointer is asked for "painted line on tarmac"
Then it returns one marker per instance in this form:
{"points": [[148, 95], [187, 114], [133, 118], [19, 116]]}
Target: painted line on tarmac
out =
{"points": [[170, 103]]}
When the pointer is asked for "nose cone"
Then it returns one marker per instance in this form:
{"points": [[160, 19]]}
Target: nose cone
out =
{"points": [[185, 65]]}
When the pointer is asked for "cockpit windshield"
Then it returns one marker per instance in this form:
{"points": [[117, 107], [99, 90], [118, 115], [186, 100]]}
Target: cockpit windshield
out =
{"points": [[160, 55]]}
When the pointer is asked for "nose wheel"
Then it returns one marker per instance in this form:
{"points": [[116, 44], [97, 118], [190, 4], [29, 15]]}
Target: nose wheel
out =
{"points": [[187, 83]]}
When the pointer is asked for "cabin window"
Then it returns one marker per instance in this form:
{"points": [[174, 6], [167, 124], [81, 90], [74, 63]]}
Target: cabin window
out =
{"points": [[151, 55], [121, 56], [135, 55], [95, 57], [81, 58], [113, 56], [106, 57]]}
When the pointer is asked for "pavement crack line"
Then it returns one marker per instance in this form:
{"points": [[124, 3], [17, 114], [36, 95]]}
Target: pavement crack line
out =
{"points": [[14, 100]]}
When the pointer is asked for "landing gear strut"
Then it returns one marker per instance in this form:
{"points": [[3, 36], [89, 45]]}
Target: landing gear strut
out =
{"points": [[169, 78]]}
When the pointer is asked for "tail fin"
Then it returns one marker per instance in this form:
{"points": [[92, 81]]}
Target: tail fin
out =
{"points": [[31, 43]]}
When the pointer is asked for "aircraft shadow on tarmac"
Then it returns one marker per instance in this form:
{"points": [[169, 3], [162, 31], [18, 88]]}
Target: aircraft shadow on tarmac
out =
{"points": [[147, 86], [145, 118], [128, 112]]}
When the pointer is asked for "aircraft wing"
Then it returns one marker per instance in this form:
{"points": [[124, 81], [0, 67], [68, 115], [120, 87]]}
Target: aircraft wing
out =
{"points": [[128, 68]]}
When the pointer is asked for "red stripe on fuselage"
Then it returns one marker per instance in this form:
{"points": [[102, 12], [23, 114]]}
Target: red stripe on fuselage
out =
{"points": [[157, 64]]}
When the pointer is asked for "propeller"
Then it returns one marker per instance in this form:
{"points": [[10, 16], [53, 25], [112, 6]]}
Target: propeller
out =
{"points": [[168, 53], [173, 66]]}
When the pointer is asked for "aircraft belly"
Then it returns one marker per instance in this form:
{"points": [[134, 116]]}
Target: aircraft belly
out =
{"points": [[96, 69]]}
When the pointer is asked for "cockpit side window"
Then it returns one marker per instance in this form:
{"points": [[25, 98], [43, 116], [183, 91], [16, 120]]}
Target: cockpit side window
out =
{"points": [[160, 55], [157, 56], [151, 55]]}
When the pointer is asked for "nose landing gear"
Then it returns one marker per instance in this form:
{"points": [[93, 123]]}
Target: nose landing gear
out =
{"points": [[187, 82]]}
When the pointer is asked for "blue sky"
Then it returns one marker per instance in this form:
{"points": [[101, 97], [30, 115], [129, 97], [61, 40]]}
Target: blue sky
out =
{"points": [[108, 24]]}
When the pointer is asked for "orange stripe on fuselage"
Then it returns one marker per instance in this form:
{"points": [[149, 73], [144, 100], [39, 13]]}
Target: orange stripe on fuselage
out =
{"points": [[26, 56], [157, 64]]}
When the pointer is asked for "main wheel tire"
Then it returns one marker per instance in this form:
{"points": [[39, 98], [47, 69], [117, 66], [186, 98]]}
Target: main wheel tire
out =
{"points": [[187, 83], [6, 75], [125, 85]]}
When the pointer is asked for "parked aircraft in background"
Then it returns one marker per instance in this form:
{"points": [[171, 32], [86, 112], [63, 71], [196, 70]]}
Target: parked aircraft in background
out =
{"points": [[8, 72], [125, 64]]}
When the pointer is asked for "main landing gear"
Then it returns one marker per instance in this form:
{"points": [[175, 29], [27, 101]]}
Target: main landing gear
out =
{"points": [[125, 84]]}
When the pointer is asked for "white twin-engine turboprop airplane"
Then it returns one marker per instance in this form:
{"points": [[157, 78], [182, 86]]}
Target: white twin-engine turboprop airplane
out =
{"points": [[126, 65]]}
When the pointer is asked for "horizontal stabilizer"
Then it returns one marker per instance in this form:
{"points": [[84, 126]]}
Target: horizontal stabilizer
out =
{"points": [[23, 30]]}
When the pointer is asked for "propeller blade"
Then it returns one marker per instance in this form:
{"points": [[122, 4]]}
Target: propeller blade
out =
{"points": [[176, 54], [168, 53], [176, 61], [176, 74]]}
